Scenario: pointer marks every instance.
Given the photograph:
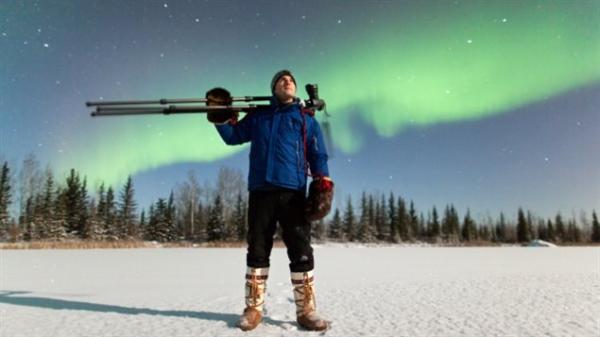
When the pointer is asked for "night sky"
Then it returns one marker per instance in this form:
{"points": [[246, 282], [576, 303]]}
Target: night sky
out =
{"points": [[486, 105]]}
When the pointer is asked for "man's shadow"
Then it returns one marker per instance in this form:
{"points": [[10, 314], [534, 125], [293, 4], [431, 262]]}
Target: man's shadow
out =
{"points": [[9, 297]]}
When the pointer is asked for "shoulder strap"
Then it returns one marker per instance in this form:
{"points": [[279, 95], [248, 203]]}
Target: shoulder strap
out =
{"points": [[304, 112]]}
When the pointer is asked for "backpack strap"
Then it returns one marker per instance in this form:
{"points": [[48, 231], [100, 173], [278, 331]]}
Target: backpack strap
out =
{"points": [[304, 112]]}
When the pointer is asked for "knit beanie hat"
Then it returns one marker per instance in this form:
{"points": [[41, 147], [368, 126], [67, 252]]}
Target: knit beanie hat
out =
{"points": [[279, 75]]}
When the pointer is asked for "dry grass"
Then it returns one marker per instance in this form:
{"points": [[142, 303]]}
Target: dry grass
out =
{"points": [[75, 244], [79, 244], [212, 244]]}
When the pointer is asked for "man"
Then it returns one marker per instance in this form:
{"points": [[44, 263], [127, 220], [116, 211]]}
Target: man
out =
{"points": [[286, 142]]}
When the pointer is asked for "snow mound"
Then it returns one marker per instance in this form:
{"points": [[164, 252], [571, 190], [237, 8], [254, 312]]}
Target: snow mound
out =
{"points": [[541, 243]]}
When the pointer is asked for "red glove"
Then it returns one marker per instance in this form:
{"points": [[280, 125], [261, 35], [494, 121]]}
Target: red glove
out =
{"points": [[320, 197]]}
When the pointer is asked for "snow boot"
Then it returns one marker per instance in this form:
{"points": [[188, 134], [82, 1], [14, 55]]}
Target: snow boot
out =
{"points": [[306, 306], [256, 279]]}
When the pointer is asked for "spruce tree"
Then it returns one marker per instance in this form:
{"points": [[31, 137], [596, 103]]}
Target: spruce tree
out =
{"points": [[363, 221], [172, 231], [318, 229], [371, 225], [58, 223], [126, 211], [40, 232], [446, 223], [422, 226], [27, 222], [595, 228], [501, 235], [402, 220], [109, 217], [161, 228], [381, 219], [335, 231], [216, 224], [366, 226], [559, 228], [484, 233], [239, 218], [5, 200], [522, 227], [573, 232], [200, 221], [150, 230], [451, 224], [72, 201], [349, 222], [550, 233], [434, 231], [100, 214], [83, 211], [47, 208], [413, 222], [94, 227], [142, 219], [530, 226], [542, 230], [392, 219], [468, 228], [454, 224]]}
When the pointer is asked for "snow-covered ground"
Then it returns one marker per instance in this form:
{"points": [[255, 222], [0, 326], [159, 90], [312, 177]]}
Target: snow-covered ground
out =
{"points": [[365, 291]]}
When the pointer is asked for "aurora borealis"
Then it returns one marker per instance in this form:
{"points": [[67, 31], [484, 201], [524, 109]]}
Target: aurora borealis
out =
{"points": [[392, 72]]}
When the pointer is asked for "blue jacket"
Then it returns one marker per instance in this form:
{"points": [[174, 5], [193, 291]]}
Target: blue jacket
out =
{"points": [[277, 153]]}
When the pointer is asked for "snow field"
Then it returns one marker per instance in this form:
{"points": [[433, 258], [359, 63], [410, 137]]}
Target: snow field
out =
{"points": [[375, 291]]}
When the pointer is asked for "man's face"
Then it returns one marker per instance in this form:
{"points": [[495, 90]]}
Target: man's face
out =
{"points": [[285, 89]]}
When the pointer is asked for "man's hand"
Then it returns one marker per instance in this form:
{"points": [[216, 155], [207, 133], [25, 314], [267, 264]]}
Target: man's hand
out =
{"points": [[220, 97], [320, 197]]}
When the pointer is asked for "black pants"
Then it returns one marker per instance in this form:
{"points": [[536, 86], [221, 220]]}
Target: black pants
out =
{"points": [[265, 210]]}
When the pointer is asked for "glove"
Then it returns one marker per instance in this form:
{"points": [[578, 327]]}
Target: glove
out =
{"points": [[220, 97], [320, 197]]}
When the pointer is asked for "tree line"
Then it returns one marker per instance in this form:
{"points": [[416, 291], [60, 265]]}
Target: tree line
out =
{"points": [[50, 210]]}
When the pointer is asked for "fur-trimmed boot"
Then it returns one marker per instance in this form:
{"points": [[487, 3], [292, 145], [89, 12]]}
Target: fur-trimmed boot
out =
{"points": [[256, 279], [306, 306]]}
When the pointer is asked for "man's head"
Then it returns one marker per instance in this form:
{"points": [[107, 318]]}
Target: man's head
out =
{"points": [[283, 86]]}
